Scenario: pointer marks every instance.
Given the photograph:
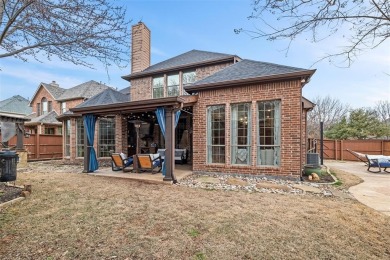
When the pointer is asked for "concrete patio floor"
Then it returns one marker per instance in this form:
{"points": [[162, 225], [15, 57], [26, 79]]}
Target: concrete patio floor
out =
{"points": [[180, 172], [374, 191]]}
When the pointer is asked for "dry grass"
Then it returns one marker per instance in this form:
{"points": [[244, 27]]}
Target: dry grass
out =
{"points": [[348, 180], [76, 216]]}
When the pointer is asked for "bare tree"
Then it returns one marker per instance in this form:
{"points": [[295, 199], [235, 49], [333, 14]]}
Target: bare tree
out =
{"points": [[365, 24], [382, 109], [73, 30], [328, 110]]}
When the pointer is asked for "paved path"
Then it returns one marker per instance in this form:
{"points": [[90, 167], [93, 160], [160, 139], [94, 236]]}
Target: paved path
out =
{"points": [[374, 191]]}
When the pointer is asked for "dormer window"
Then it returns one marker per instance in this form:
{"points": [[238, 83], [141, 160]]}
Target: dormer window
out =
{"points": [[173, 85]]}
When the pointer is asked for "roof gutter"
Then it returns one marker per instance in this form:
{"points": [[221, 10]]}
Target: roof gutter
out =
{"points": [[303, 75], [181, 67]]}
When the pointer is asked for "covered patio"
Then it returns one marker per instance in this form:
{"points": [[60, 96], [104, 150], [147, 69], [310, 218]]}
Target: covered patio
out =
{"points": [[180, 172], [167, 122]]}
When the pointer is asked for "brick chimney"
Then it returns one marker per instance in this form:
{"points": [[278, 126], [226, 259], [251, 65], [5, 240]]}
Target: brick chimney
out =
{"points": [[140, 47]]}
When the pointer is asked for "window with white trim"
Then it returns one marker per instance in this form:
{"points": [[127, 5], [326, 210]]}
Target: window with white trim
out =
{"points": [[216, 134], [269, 131], [44, 106], [67, 137], [241, 133], [79, 137], [106, 141]]}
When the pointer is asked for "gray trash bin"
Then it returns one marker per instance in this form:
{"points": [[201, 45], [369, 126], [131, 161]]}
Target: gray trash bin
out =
{"points": [[8, 161]]}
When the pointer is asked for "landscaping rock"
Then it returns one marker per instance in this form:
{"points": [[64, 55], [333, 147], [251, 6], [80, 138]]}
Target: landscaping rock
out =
{"points": [[267, 185], [25, 193], [315, 176], [237, 182], [307, 188], [208, 179]]}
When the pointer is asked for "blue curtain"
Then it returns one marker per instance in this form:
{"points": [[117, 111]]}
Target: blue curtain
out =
{"points": [[160, 113], [89, 124]]}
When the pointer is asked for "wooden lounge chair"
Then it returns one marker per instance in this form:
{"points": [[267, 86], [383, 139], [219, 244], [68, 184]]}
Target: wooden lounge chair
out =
{"points": [[118, 163], [378, 161], [149, 162]]}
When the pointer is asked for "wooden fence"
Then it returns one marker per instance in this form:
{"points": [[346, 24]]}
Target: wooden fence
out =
{"points": [[41, 146], [337, 149]]}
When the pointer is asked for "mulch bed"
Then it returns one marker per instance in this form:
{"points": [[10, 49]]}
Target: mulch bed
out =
{"points": [[8, 193]]}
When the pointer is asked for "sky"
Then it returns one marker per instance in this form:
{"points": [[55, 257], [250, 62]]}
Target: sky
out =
{"points": [[208, 25]]}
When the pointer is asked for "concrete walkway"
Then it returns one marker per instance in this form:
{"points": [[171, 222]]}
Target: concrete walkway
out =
{"points": [[374, 191]]}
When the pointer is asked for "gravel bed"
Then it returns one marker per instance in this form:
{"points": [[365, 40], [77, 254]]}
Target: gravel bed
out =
{"points": [[251, 185]]}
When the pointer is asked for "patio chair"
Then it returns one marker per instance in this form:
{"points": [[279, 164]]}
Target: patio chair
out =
{"points": [[121, 162], [378, 161], [149, 162], [361, 157]]}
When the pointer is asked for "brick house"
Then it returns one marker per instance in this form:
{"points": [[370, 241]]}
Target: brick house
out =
{"points": [[237, 116]]}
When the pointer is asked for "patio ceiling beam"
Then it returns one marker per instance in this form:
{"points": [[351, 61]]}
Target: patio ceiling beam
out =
{"points": [[131, 106]]}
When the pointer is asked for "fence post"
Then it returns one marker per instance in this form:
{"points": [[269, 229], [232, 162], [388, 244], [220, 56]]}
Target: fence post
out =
{"points": [[335, 149], [37, 144], [341, 150], [382, 147], [322, 142]]}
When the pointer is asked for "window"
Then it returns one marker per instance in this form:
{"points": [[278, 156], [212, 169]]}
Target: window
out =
{"points": [[63, 107], [268, 149], [79, 137], [158, 87], [50, 106], [241, 133], [216, 134], [67, 138], [38, 109], [44, 106], [49, 131], [106, 140], [188, 78], [173, 85]]}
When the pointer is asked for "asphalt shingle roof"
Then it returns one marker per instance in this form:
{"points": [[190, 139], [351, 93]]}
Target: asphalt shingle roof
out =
{"points": [[54, 90], [49, 118], [108, 96], [187, 58], [84, 90], [125, 91], [247, 69], [16, 104]]}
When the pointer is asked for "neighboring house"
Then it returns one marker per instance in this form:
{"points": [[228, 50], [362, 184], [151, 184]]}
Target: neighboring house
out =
{"points": [[50, 101], [237, 116], [14, 113]]}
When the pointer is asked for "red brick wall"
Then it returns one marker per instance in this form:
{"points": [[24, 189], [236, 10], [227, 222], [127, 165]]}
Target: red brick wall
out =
{"points": [[140, 47], [42, 92], [289, 92]]}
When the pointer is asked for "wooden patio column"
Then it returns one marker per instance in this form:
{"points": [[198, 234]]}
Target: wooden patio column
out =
{"points": [[169, 144]]}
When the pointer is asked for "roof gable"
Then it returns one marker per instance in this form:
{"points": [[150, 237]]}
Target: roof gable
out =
{"points": [[49, 118], [54, 90], [84, 90], [108, 96], [194, 57]]}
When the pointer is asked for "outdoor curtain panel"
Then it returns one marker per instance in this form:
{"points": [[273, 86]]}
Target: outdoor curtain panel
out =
{"points": [[160, 113], [89, 123]]}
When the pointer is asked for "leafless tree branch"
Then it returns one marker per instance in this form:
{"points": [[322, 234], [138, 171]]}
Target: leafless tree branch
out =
{"points": [[367, 22], [73, 30]]}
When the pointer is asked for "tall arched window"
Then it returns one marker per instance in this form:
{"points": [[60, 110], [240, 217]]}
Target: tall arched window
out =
{"points": [[44, 105]]}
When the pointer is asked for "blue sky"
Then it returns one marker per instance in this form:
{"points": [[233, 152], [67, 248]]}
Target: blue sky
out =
{"points": [[180, 26]]}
